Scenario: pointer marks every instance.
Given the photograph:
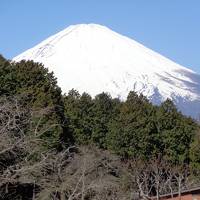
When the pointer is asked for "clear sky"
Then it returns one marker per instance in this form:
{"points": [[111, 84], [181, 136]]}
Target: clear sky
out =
{"points": [[170, 27]]}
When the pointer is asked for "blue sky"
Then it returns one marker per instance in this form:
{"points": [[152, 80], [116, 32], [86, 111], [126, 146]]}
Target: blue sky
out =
{"points": [[170, 27]]}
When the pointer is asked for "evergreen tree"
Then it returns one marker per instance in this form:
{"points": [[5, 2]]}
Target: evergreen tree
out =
{"points": [[195, 153], [176, 131], [78, 111], [38, 89], [130, 133], [104, 109]]}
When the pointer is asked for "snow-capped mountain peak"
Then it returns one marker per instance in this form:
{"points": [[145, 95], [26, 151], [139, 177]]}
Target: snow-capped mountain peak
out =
{"points": [[93, 58]]}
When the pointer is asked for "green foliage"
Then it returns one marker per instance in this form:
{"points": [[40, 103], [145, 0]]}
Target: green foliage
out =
{"points": [[2, 59], [130, 133], [104, 109], [134, 128], [146, 131], [195, 153], [89, 118], [177, 132], [38, 89], [78, 112], [35, 117]]}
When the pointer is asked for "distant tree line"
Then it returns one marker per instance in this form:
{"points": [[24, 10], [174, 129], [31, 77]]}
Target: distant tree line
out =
{"points": [[133, 128]]}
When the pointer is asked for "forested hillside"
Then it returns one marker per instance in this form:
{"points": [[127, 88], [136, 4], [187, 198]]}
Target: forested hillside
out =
{"points": [[72, 146]]}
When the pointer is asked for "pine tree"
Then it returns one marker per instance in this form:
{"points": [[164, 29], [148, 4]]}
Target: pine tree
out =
{"points": [[38, 89], [176, 131], [78, 112], [130, 133]]}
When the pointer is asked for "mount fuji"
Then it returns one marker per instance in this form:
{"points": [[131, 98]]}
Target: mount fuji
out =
{"points": [[92, 58]]}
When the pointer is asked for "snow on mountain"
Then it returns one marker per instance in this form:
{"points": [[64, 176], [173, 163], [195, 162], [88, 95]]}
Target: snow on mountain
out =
{"points": [[93, 58]]}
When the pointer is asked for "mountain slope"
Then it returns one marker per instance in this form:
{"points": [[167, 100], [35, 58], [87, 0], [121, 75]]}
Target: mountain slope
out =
{"points": [[93, 58]]}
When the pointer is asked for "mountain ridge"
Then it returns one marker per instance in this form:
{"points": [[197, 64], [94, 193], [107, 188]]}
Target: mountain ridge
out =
{"points": [[92, 58]]}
